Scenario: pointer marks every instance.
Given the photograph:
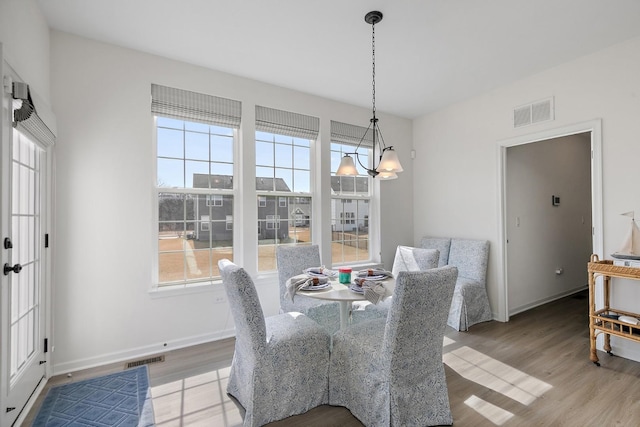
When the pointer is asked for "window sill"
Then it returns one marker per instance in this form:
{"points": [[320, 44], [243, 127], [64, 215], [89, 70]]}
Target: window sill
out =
{"points": [[178, 290]]}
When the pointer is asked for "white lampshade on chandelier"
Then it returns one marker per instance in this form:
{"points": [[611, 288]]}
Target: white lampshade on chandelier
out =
{"points": [[389, 164]]}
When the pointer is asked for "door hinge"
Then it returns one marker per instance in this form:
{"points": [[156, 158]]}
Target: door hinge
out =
{"points": [[46, 345], [42, 362], [10, 409], [46, 240]]}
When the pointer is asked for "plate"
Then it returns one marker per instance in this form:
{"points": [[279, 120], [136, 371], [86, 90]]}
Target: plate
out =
{"points": [[315, 272], [374, 277], [357, 289], [625, 256], [315, 287]]}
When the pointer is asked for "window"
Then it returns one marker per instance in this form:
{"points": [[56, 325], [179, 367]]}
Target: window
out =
{"points": [[204, 223], [214, 200], [195, 138], [283, 180], [350, 196], [273, 222]]}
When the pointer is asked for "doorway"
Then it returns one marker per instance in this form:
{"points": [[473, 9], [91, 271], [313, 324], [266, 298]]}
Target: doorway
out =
{"points": [[24, 224], [539, 261]]}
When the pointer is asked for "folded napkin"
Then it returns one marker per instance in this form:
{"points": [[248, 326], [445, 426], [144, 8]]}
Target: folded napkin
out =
{"points": [[374, 272], [374, 292], [294, 285], [317, 271]]}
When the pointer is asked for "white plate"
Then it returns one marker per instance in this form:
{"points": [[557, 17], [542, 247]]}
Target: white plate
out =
{"points": [[315, 287], [313, 272], [357, 289]]}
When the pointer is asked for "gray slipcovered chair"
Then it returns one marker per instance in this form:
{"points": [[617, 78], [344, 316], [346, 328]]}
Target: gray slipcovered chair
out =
{"points": [[407, 258], [280, 364], [389, 372], [291, 261], [470, 303]]}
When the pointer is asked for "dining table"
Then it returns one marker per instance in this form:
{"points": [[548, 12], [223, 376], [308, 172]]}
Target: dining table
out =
{"points": [[341, 293]]}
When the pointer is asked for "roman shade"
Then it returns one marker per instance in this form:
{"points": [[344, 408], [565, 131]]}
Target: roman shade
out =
{"points": [[287, 123], [186, 105], [351, 134]]}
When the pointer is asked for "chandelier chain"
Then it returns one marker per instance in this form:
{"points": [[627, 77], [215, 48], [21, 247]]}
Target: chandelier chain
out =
{"points": [[373, 66]]}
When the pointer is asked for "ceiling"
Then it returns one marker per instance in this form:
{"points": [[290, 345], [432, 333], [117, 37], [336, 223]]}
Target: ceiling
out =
{"points": [[429, 53]]}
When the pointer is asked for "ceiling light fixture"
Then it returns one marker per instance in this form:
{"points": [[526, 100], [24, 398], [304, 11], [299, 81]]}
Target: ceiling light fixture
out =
{"points": [[389, 164]]}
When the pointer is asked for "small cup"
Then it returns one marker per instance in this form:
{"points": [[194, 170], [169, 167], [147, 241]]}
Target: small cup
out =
{"points": [[344, 275]]}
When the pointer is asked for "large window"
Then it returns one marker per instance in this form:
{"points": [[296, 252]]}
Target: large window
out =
{"points": [[195, 170], [283, 181], [350, 196]]}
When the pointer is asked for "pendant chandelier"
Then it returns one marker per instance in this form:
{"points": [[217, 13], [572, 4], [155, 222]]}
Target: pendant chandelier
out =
{"points": [[389, 164]]}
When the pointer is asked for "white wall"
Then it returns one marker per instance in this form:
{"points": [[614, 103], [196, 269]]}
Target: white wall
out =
{"points": [[457, 192], [101, 95], [542, 237], [24, 34]]}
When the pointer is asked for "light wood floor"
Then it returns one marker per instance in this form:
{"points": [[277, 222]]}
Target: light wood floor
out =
{"points": [[532, 371]]}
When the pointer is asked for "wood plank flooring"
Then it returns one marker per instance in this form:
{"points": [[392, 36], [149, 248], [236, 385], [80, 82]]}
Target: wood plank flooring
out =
{"points": [[532, 371]]}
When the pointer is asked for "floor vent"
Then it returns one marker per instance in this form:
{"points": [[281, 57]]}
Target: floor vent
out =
{"points": [[536, 112], [155, 359]]}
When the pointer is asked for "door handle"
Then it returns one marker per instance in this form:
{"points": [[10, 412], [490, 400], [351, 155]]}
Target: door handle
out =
{"points": [[8, 269]]}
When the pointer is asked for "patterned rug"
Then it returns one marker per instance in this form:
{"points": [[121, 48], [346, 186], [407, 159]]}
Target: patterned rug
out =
{"points": [[120, 399]]}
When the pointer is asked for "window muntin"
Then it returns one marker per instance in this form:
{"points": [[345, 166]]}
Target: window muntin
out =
{"points": [[195, 197], [350, 196]]}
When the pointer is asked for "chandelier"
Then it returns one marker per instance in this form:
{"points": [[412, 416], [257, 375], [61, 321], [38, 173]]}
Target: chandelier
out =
{"points": [[389, 164]]}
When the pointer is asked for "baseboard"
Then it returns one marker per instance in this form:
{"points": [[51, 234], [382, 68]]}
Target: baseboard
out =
{"points": [[138, 352], [546, 300]]}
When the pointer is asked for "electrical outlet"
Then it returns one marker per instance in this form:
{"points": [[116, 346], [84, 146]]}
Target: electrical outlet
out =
{"points": [[218, 299]]}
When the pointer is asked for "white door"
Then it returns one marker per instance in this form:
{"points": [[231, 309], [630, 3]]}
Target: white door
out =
{"points": [[22, 313]]}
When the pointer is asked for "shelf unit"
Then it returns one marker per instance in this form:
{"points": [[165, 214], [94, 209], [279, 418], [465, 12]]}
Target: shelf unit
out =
{"points": [[605, 320]]}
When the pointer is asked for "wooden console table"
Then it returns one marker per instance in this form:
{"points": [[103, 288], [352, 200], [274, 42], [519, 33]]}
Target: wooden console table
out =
{"points": [[606, 320]]}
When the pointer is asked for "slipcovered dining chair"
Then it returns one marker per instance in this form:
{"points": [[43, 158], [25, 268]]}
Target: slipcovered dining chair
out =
{"points": [[291, 261], [407, 258], [280, 364], [389, 372]]}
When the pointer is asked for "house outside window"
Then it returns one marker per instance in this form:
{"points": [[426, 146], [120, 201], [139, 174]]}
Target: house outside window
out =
{"points": [[194, 183], [283, 181]]}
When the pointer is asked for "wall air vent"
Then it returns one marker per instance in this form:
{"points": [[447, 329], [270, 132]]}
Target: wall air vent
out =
{"points": [[147, 361], [536, 112]]}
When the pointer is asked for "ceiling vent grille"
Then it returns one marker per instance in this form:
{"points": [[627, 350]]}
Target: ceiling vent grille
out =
{"points": [[536, 112]]}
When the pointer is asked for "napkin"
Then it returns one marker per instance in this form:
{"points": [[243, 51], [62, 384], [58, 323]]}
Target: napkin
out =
{"points": [[374, 292], [320, 271], [295, 284]]}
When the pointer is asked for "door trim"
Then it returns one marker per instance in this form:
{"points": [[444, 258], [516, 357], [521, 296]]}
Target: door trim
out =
{"points": [[592, 126]]}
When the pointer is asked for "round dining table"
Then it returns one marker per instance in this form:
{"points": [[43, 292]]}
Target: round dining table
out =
{"points": [[341, 293]]}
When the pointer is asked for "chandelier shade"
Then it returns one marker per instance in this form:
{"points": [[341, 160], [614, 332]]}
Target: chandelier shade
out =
{"points": [[347, 167]]}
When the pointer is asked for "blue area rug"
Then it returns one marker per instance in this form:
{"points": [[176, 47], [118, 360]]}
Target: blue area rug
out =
{"points": [[120, 399]]}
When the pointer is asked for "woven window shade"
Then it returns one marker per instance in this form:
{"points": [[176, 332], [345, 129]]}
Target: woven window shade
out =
{"points": [[287, 123], [26, 118], [186, 105], [351, 134], [37, 129]]}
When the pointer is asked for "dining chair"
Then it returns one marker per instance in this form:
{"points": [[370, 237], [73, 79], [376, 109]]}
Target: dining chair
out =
{"points": [[407, 258], [389, 372], [280, 364], [291, 261]]}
